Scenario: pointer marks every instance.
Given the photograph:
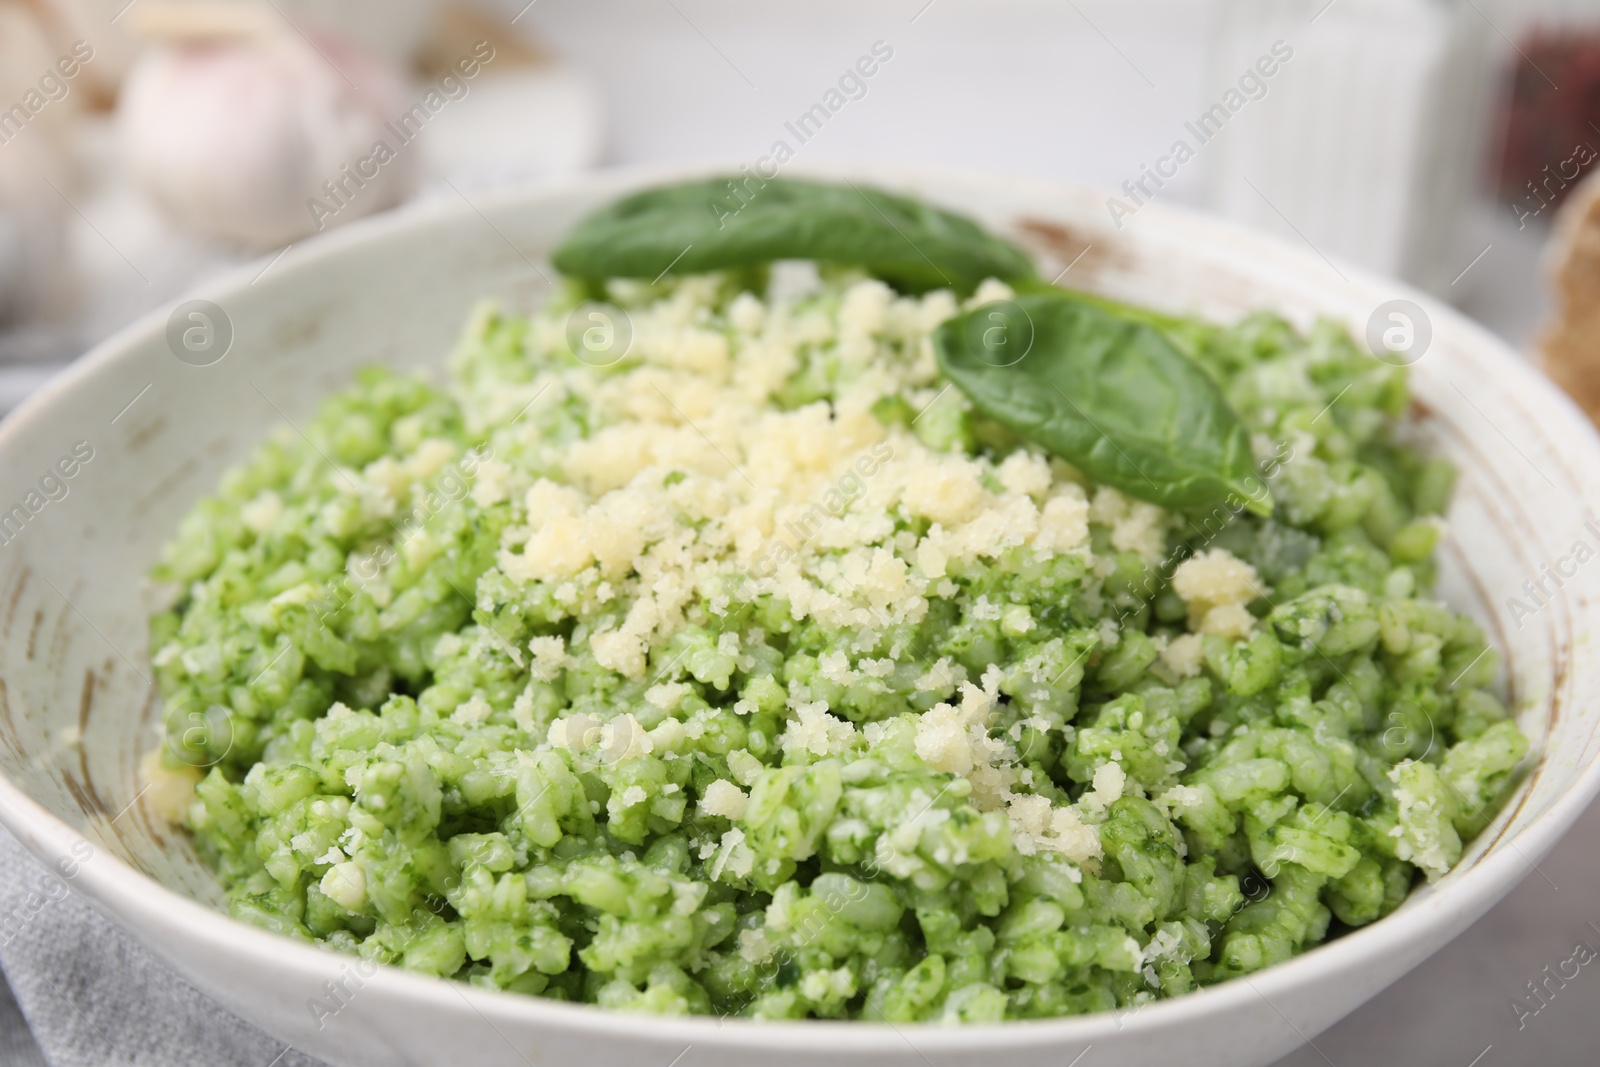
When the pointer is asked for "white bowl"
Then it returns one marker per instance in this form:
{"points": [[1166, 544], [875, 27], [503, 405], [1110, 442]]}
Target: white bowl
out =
{"points": [[76, 711]]}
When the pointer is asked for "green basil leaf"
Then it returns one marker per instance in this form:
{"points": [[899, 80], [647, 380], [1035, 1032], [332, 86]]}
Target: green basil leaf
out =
{"points": [[723, 223], [1190, 335], [1110, 394]]}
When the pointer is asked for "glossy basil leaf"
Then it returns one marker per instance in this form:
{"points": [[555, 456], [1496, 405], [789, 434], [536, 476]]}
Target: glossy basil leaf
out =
{"points": [[723, 223], [1110, 394], [1189, 334]]}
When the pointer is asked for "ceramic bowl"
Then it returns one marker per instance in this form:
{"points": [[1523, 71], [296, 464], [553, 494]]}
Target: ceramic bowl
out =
{"points": [[163, 420]]}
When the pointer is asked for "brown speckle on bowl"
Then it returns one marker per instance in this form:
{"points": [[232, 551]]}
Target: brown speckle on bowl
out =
{"points": [[1070, 245], [8, 725], [21, 583], [142, 435], [85, 701], [155, 498], [33, 633], [302, 329]]}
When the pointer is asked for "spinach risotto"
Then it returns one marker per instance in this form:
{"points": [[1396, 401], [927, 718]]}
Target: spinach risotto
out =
{"points": [[861, 637]]}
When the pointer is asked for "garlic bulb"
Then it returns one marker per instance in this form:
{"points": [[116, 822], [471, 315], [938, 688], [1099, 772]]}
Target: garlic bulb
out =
{"points": [[240, 139], [34, 281], [38, 109], [392, 28], [100, 23]]}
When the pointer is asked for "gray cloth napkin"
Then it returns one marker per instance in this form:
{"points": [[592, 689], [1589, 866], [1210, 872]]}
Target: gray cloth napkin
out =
{"points": [[92, 997], [17, 1048]]}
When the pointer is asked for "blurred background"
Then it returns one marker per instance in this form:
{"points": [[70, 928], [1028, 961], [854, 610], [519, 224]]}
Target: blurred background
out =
{"points": [[146, 145]]}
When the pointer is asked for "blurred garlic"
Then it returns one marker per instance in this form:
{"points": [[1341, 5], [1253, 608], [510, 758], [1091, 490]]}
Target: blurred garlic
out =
{"points": [[33, 243], [237, 137], [394, 29], [37, 109], [99, 23]]}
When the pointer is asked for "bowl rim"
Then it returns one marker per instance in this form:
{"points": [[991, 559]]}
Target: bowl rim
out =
{"points": [[132, 897]]}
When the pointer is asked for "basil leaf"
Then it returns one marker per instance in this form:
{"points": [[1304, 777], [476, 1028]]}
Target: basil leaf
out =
{"points": [[1110, 394], [722, 223], [1189, 335]]}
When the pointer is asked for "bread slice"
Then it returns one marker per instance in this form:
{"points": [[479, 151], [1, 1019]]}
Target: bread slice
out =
{"points": [[1569, 350]]}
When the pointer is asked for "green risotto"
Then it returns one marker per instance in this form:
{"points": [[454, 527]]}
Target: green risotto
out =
{"points": [[698, 647]]}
